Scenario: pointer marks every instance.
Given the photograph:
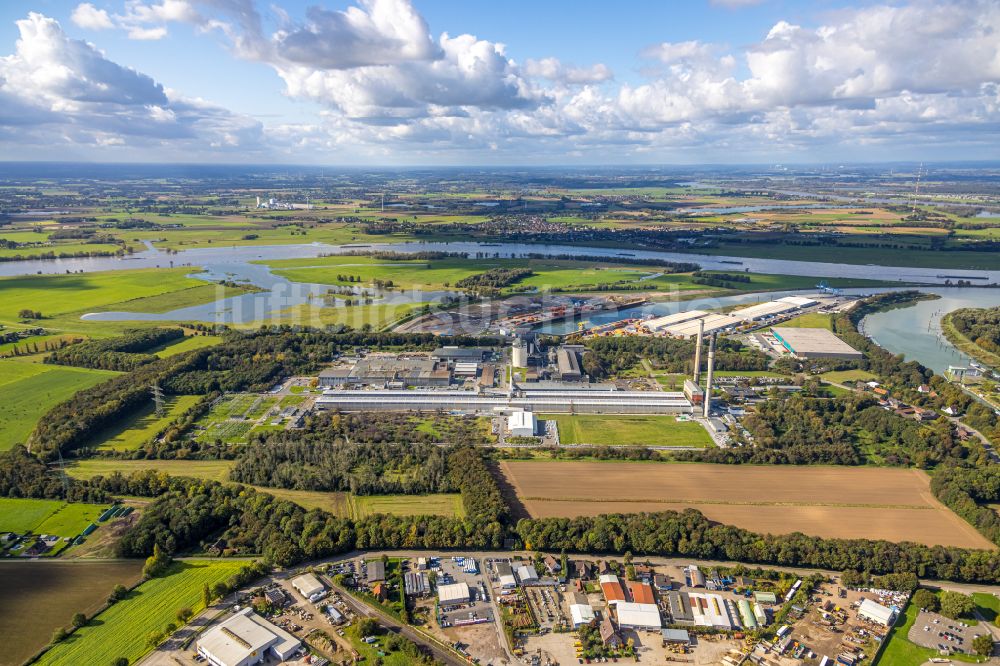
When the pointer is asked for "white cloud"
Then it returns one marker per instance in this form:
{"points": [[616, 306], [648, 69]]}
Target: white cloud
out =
{"points": [[63, 91], [554, 70], [89, 17], [147, 34]]}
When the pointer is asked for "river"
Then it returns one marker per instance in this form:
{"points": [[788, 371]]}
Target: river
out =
{"points": [[912, 331]]}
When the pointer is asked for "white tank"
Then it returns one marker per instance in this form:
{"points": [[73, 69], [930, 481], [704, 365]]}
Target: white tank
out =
{"points": [[519, 356]]}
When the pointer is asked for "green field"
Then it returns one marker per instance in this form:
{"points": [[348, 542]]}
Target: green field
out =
{"points": [[23, 515], [189, 343], [407, 505], [811, 320], [63, 519], [213, 470], [29, 390], [841, 376], [604, 430], [139, 428], [59, 294], [121, 630]]}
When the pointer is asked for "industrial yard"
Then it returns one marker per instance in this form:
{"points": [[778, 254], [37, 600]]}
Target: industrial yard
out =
{"points": [[831, 502]]}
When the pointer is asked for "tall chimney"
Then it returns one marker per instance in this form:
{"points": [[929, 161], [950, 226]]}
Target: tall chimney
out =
{"points": [[711, 369], [697, 350]]}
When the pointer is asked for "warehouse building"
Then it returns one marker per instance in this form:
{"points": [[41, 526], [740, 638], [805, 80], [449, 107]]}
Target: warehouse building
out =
{"points": [[527, 574], [710, 610], [388, 371], [458, 354], [640, 617], [580, 401], [522, 424], [375, 571], [641, 593], [416, 583], [505, 575], [680, 607], [309, 587], [876, 612], [714, 323], [694, 393], [660, 324], [814, 343], [454, 594], [246, 639], [581, 613], [612, 588], [568, 365]]}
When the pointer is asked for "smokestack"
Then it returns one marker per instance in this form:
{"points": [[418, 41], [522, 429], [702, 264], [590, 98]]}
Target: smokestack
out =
{"points": [[711, 369], [697, 350]]}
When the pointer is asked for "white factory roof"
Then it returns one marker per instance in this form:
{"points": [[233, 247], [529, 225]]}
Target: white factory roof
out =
{"points": [[798, 301], [875, 612], [308, 585], [521, 419], [768, 309], [458, 402], [640, 616], [713, 322], [710, 610], [508, 580], [454, 593], [581, 614], [672, 319], [243, 636]]}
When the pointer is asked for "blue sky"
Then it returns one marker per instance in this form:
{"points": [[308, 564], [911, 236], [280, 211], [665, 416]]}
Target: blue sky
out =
{"points": [[438, 82]]}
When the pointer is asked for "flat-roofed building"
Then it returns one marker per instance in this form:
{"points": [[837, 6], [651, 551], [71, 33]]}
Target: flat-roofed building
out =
{"points": [[527, 574], [675, 637], [246, 639], [522, 424], [694, 393], [383, 370], [814, 343], [644, 617], [455, 354], [710, 610], [713, 324]]}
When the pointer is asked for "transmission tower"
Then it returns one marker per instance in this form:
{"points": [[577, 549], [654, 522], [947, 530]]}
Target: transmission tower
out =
{"points": [[158, 398], [62, 472], [916, 190]]}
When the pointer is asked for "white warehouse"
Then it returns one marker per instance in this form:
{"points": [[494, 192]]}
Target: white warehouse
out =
{"points": [[522, 424], [245, 639]]}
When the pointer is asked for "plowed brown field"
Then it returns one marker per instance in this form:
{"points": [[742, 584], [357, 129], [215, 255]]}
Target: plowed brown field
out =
{"points": [[841, 502]]}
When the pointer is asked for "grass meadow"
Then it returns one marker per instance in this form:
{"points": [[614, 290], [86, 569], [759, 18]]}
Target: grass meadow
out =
{"points": [[606, 430]]}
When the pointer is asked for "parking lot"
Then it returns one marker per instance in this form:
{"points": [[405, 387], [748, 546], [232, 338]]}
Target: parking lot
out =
{"points": [[940, 633]]}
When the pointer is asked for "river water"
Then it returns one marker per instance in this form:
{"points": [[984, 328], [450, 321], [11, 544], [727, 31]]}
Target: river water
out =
{"points": [[912, 331]]}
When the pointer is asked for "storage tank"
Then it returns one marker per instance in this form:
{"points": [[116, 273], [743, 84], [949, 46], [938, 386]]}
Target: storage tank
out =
{"points": [[519, 355]]}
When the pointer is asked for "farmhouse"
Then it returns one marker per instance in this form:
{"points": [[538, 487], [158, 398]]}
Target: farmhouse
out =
{"points": [[309, 587], [246, 639], [876, 612]]}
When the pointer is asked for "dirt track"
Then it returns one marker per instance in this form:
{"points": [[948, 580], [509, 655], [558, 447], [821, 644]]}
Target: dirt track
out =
{"points": [[841, 502]]}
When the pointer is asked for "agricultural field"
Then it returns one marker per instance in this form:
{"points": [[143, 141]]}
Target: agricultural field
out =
{"points": [[121, 630], [606, 430], [407, 505], [841, 376], [24, 515], [29, 390], [143, 426], [34, 605], [376, 315], [187, 344], [832, 502], [212, 470]]}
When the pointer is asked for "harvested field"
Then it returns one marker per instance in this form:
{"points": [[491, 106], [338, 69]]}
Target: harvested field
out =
{"points": [[832, 502]]}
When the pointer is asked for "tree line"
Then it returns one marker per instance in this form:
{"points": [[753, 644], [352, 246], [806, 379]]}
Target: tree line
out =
{"points": [[123, 353]]}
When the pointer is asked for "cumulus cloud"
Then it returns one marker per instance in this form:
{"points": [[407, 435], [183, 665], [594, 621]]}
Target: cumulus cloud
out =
{"points": [[89, 17], [554, 70], [867, 76], [60, 90]]}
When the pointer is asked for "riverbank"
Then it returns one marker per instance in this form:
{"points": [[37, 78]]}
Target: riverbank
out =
{"points": [[965, 345]]}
